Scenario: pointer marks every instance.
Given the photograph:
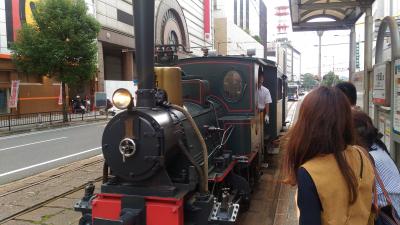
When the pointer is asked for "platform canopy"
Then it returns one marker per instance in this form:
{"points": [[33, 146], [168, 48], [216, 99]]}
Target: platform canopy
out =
{"points": [[345, 13]]}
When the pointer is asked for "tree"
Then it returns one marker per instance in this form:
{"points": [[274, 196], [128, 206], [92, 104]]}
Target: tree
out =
{"points": [[61, 43], [308, 81], [257, 38], [330, 79]]}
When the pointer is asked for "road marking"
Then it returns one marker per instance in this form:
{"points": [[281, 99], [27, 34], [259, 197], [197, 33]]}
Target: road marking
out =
{"points": [[50, 130], [48, 162], [33, 143]]}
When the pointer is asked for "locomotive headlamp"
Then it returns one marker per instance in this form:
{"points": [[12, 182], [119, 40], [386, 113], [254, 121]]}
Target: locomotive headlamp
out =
{"points": [[122, 98]]}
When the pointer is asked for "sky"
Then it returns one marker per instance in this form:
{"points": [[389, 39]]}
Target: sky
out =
{"points": [[335, 45]]}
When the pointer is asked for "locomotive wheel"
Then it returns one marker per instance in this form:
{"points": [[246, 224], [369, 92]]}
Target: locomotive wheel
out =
{"points": [[86, 219]]}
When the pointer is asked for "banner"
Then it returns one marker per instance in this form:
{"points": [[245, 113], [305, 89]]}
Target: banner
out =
{"points": [[13, 101], [60, 100]]}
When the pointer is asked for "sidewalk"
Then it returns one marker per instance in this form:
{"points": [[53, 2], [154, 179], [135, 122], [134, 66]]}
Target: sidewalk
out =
{"points": [[76, 119]]}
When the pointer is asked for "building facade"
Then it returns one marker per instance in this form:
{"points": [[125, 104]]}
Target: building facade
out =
{"points": [[240, 25], [176, 22], [36, 93], [287, 58]]}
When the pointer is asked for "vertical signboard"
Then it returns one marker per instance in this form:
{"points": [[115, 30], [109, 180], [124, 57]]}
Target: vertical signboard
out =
{"points": [[13, 101], [384, 127], [381, 84], [396, 97], [381, 123], [386, 135], [358, 80], [207, 19]]}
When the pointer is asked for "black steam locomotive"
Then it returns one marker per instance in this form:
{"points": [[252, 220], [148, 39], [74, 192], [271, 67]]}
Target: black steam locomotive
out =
{"points": [[189, 151]]}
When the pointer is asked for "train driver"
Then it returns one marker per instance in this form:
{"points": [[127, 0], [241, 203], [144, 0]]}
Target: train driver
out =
{"points": [[264, 98]]}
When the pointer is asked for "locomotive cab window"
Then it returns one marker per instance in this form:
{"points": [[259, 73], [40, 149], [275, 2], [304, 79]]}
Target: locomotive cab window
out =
{"points": [[233, 86]]}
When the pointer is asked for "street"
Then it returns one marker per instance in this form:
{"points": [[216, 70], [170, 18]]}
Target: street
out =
{"points": [[26, 154]]}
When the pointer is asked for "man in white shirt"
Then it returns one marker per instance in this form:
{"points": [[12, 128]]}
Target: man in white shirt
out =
{"points": [[264, 98]]}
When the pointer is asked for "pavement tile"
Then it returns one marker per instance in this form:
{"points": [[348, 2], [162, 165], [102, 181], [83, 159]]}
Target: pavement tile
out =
{"points": [[18, 222], [66, 203], [66, 217], [76, 195], [283, 206], [280, 219], [7, 210], [258, 205], [40, 214], [251, 218]]}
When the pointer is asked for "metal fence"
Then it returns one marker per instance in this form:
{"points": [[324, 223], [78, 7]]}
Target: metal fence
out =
{"points": [[9, 121]]}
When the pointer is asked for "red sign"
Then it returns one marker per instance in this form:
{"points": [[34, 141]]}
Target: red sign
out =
{"points": [[207, 18], [13, 101]]}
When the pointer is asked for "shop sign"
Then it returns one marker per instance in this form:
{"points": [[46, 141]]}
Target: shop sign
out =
{"points": [[13, 101], [396, 97], [381, 84]]}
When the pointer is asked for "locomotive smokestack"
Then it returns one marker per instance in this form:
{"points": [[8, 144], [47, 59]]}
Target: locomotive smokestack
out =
{"points": [[143, 11]]}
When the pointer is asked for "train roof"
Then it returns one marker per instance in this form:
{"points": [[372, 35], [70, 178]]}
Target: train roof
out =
{"points": [[264, 62]]}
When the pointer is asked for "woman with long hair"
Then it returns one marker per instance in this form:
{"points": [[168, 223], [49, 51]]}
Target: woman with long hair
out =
{"points": [[335, 180]]}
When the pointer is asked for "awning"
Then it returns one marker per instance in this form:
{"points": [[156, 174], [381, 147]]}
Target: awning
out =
{"points": [[345, 13]]}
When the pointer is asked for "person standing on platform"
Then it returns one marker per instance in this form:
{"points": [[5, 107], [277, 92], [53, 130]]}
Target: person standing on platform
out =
{"points": [[369, 137], [335, 179], [351, 93], [264, 99]]}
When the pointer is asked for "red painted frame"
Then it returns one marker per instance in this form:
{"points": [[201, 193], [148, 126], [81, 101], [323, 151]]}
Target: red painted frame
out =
{"points": [[166, 211]]}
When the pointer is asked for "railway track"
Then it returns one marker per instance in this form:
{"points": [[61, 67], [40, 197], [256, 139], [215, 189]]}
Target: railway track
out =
{"points": [[39, 205], [22, 191], [51, 178]]}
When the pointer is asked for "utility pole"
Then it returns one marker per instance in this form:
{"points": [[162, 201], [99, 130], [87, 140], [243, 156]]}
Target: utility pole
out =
{"points": [[367, 54], [320, 33], [353, 52]]}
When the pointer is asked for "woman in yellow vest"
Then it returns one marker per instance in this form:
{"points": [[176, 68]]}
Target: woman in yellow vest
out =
{"points": [[335, 180]]}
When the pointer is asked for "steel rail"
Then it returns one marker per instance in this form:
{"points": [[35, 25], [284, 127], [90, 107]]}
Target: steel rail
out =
{"points": [[51, 178], [43, 203]]}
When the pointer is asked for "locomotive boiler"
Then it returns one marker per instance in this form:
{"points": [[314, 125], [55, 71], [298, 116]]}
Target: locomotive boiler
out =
{"points": [[189, 151]]}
